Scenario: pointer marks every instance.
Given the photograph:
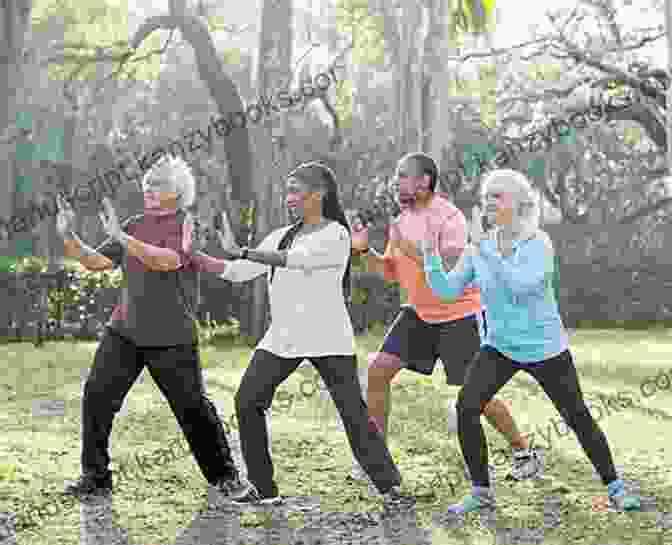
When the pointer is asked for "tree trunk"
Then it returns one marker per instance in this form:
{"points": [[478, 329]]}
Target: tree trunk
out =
{"points": [[224, 93], [440, 135], [273, 72], [15, 17]]}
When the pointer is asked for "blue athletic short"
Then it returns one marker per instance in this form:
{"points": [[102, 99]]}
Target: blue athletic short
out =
{"points": [[418, 344]]}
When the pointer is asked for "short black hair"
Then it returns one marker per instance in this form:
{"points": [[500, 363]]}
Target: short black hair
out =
{"points": [[428, 166]]}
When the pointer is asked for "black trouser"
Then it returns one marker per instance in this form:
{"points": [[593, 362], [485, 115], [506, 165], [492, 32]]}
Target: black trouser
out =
{"points": [[490, 371], [263, 376], [177, 372]]}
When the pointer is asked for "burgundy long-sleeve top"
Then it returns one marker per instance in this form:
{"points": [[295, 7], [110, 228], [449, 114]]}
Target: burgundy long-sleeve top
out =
{"points": [[157, 308]]}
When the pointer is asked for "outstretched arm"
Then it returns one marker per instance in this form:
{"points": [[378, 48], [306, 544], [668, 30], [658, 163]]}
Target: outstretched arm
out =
{"points": [[90, 258], [153, 257], [329, 253], [74, 248], [243, 270]]}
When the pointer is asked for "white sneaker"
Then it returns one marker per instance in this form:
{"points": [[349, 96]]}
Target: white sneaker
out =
{"points": [[526, 464]]}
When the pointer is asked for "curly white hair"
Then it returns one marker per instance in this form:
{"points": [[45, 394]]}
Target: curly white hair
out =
{"points": [[527, 209], [176, 167]]}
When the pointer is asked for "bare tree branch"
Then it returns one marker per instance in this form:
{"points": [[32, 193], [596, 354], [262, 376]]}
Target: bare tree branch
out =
{"points": [[606, 10], [546, 94], [494, 52], [646, 211], [221, 87]]}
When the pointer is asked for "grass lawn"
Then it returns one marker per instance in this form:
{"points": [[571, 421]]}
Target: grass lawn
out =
{"points": [[312, 458]]}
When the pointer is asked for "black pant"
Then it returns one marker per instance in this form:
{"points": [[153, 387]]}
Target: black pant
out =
{"points": [[490, 371], [263, 376], [177, 372]]}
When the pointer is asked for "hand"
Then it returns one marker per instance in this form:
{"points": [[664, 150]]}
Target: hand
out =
{"points": [[413, 250], [227, 239], [110, 221], [360, 238], [65, 219]]}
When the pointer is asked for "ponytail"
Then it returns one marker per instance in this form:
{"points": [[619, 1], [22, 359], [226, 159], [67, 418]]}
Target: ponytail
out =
{"points": [[332, 209], [321, 176]]}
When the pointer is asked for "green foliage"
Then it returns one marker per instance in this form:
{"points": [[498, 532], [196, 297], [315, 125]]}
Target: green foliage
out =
{"points": [[232, 57], [211, 332], [464, 19], [343, 104], [360, 296], [28, 265], [545, 72], [632, 136], [88, 26], [487, 90], [81, 290], [78, 292], [367, 31], [484, 87]]}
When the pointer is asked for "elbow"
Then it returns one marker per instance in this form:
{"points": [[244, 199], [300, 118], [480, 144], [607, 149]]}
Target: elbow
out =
{"points": [[96, 263], [167, 264]]}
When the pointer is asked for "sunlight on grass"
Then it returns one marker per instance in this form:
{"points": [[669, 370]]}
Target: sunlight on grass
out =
{"points": [[312, 456]]}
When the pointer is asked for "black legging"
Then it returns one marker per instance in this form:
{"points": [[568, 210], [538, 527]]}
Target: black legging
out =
{"points": [[490, 371], [263, 376]]}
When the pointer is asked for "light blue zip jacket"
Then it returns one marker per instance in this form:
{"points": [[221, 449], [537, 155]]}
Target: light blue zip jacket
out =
{"points": [[523, 320]]}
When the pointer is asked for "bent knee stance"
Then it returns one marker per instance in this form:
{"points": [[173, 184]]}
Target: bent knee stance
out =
{"points": [[246, 401], [383, 367], [95, 395], [577, 415]]}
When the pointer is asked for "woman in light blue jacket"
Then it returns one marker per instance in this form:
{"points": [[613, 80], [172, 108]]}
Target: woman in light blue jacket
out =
{"points": [[513, 265]]}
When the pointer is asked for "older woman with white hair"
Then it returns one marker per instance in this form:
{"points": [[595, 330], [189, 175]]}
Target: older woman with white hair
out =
{"points": [[154, 324], [513, 267]]}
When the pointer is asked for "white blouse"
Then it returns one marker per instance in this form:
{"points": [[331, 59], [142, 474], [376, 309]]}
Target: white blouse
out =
{"points": [[308, 312]]}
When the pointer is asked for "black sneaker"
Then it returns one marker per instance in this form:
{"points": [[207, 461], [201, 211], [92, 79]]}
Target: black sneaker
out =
{"points": [[90, 484], [251, 496]]}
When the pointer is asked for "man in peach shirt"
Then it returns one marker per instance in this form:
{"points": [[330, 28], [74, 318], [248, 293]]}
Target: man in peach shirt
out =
{"points": [[427, 328]]}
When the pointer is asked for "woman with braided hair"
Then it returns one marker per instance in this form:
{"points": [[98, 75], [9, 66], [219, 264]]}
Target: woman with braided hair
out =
{"points": [[308, 267]]}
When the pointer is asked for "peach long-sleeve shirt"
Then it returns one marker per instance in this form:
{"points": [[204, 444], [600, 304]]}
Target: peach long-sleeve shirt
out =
{"points": [[447, 226]]}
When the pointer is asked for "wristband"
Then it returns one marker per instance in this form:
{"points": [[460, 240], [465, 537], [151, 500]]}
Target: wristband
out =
{"points": [[433, 263]]}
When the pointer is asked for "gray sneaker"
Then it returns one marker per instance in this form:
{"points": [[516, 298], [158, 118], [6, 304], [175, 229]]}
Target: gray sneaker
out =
{"points": [[526, 464], [231, 487], [253, 497]]}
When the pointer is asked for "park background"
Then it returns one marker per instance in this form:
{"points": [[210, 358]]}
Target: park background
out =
{"points": [[453, 78]]}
